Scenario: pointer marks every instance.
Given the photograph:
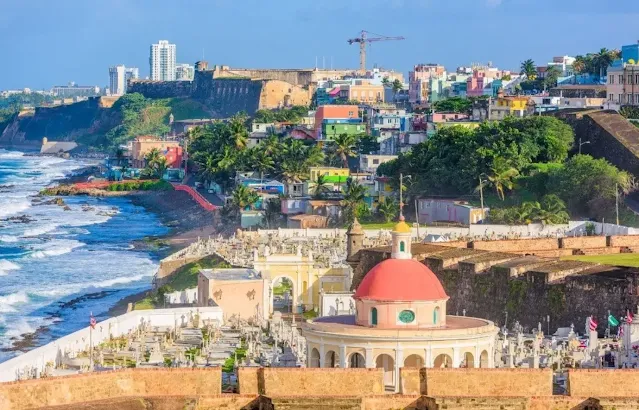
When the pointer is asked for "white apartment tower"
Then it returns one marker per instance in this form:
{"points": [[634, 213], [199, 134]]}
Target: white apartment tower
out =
{"points": [[184, 72], [119, 77], [162, 61]]}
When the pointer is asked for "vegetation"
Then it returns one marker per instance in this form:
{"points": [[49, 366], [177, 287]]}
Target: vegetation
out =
{"points": [[16, 101], [353, 202], [623, 259], [551, 210], [159, 185], [388, 209], [529, 69], [293, 114], [140, 116], [595, 63], [454, 104]]}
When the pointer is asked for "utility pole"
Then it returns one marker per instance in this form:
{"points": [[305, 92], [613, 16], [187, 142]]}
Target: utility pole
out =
{"points": [[481, 199], [617, 201], [417, 219]]}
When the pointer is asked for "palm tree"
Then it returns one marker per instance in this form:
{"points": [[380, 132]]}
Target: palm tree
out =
{"points": [[208, 168], [262, 162], [528, 69], [502, 177], [388, 209], [579, 65], [321, 187], [152, 156], [553, 210], [272, 212], [345, 147], [354, 195], [397, 87], [160, 166], [602, 60], [239, 133], [386, 82], [552, 74], [244, 197], [119, 155]]}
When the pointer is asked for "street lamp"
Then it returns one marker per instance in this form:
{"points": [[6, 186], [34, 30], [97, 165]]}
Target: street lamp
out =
{"points": [[582, 143]]}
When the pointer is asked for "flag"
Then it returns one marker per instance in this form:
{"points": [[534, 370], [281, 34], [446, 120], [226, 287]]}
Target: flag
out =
{"points": [[592, 324], [92, 322], [628, 316], [612, 321]]}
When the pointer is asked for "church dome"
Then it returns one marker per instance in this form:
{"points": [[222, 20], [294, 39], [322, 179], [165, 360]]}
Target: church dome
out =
{"points": [[400, 280]]}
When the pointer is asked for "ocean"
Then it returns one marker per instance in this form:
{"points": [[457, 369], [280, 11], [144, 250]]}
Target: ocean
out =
{"points": [[58, 265]]}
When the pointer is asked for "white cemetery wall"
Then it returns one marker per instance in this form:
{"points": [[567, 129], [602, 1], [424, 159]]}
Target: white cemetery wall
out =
{"points": [[330, 301]]}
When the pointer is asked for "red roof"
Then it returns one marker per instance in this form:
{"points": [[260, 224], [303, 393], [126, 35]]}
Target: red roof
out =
{"points": [[400, 280]]}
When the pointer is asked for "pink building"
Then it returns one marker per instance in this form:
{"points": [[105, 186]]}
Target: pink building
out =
{"points": [[418, 80], [239, 292], [448, 116], [480, 79]]}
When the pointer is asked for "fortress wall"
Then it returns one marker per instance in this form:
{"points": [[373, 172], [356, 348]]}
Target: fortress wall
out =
{"points": [[603, 383], [281, 381], [225, 97], [167, 267], [106, 385], [477, 382], [161, 89], [623, 240], [275, 93], [517, 245], [583, 242]]}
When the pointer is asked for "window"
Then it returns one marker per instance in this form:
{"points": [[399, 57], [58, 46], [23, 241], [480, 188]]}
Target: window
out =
{"points": [[376, 161], [402, 246], [406, 316], [436, 315], [611, 79], [620, 78], [629, 79], [373, 316], [350, 113]]}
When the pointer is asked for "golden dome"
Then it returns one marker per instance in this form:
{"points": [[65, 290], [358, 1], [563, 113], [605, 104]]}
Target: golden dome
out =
{"points": [[402, 227]]}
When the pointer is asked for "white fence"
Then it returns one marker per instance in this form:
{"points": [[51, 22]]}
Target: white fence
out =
{"points": [[112, 327], [181, 296]]}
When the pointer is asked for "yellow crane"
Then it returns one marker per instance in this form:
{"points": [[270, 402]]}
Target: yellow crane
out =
{"points": [[362, 40]]}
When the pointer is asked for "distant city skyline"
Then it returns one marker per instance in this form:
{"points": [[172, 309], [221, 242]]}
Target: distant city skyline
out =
{"points": [[293, 34]]}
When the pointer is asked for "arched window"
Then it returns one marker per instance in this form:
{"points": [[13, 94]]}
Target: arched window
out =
{"points": [[374, 316], [402, 246], [436, 315]]}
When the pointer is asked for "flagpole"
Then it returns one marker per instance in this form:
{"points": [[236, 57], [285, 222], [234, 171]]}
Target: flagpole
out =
{"points": [[91, 344]]}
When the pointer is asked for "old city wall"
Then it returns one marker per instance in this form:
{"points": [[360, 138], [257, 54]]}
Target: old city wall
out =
{"points": [[603, 383], [517, 245], [161, 89], [611, 137], [225, 97], [310, 381], [477, 382], [275, 92], [299, 77], [106, 385], [169, 266]]}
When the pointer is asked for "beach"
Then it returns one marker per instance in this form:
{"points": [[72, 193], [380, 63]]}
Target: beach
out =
{"points": [[61, 261]]}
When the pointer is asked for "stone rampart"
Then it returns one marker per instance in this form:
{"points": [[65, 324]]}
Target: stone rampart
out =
{"points": [[109, 385], [161, 89], [517, 245], [476, 382], [624, 240], [283, 381], [603, 383], [583, 242]]}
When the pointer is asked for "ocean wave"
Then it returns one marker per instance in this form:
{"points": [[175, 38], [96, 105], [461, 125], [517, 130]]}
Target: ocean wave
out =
{"points": [[4, 154], [74, 288], [40, 230], [55, 248], [6, 266], [7, 302], [13, 207], [8, 238]]}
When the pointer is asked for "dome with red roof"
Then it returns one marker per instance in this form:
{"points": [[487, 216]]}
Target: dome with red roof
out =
{"points": [[398, 280]]}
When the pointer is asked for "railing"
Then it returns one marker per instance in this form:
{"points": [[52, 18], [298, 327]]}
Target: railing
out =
{"points": [[203, 202]]}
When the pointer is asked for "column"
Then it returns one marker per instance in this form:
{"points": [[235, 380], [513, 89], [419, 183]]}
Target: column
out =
{"points": [[429, 357], [322, 358], [477, 356], [491, 356], [456, 358], [369, 358], [399, 362], [309, 290], [342, 356]]}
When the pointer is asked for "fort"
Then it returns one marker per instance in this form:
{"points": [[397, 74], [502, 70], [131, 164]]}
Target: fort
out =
{"points": [[291, 388]]}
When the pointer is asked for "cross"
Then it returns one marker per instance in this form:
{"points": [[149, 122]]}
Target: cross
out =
{"points": [[401, 202]]}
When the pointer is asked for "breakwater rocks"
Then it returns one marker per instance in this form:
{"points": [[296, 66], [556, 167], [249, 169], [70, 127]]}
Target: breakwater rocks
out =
{"points": [[69, 190]]}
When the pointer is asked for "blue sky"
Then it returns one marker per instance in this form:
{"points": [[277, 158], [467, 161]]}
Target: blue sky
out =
{"points": [[47, 42]]}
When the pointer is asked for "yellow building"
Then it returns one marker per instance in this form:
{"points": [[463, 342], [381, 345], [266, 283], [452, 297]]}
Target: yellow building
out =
{"points": [[306, 276], [505, 106], [363, 91], [334, 178]]}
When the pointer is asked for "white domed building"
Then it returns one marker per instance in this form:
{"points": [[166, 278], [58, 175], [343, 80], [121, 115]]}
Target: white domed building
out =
{"points": [[400, 320]]}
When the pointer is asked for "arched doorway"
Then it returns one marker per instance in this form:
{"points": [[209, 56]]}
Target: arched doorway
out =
{"points": [[414, 360], [357, 361], [331, 359], [483, 359], [469, 361], [443, 360], [282, 294], [315, 358], [386, 362]]}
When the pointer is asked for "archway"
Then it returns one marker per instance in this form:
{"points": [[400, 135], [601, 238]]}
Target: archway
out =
{"points": [[315, 358], [414, 360], [386, 362], [483, 359], [282, 294], [357, 361], [443, 360], [469, 360], [331, 359]]}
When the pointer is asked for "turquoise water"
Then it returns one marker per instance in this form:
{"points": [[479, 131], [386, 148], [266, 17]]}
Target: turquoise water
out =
{"points": [[57, 266]]}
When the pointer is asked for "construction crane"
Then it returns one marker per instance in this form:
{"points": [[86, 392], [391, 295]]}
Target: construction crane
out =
{"points": [[362, 40]]}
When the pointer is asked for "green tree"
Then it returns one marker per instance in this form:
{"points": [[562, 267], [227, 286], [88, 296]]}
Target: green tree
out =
{"points": [[528, 69], [344, 145], [261, 161], [397, 87], [603, 59], [244, 198], [388, 209], [454, 104], [272, 213], [321, 187], [502, 177], [239, 133], [354, 195], [367, 144], [386, 82], [552, 74]]}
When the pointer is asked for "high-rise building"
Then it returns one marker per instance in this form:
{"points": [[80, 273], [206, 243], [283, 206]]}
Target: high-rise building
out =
{"points": [[119, 77], [184, 72], [162, 61]]}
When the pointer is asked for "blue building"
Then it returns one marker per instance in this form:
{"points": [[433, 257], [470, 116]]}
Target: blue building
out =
{"points": [[630, 52]]}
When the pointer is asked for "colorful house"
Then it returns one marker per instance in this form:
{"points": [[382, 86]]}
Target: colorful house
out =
{"points": [[337, 114], [334, 178]]}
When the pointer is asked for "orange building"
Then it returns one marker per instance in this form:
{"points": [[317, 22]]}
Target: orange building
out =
{"points": [[334, 112], [142, 145], [362, 91]]}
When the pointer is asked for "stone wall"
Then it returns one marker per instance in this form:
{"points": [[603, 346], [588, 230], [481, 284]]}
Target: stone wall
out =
{"points": [[161, 89], [624, 240], [476, 382], [108, 385], [299, 77], [603, 383], [517, 246], [281, 381], [276, 94], [169, 266]]}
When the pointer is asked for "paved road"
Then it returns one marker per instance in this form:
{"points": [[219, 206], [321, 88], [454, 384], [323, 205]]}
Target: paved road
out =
{"points": [[212, 198]]}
